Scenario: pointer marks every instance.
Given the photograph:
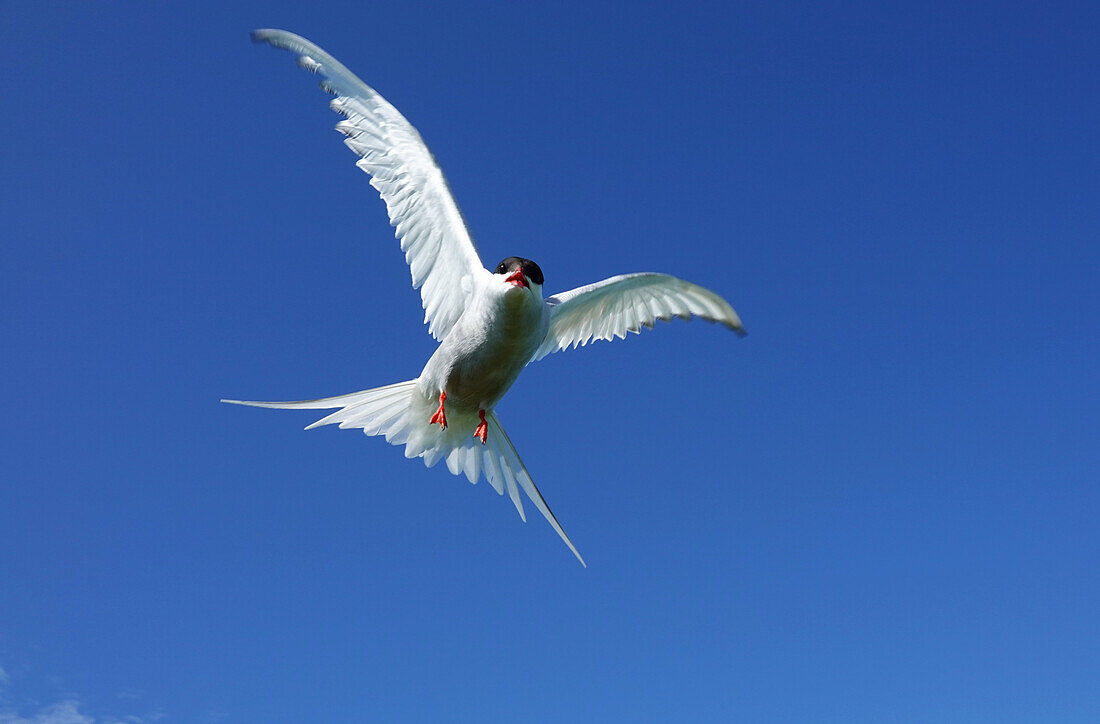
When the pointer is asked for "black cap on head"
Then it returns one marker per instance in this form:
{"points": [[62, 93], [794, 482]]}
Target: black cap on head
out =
{"points": [[530, 269]]}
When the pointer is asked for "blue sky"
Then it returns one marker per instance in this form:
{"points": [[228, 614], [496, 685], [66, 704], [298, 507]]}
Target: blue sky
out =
{"points": [[881, 505]]}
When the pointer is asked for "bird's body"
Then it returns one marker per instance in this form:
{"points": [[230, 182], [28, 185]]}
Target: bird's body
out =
{"points": [[490, 325], [488, 347]]}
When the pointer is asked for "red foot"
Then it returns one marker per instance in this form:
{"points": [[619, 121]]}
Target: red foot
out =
{"points": [[439, 415], [482, 430]]}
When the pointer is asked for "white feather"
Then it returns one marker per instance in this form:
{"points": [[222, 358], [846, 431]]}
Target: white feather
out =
{"points": [[403, 169], [400, 413], [625, 303]]}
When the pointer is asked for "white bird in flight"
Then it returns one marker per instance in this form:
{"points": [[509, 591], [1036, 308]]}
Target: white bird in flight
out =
{"points": [[489, 325]]}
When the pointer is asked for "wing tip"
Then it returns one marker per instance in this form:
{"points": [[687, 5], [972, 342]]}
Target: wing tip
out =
{"points": [[262, 35], [731, 320]]}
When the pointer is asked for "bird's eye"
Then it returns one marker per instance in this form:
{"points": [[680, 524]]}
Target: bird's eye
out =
{"points": [[501, 268]]}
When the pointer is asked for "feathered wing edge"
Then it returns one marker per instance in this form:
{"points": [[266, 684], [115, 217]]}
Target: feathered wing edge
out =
{"points": [[399, 412], [611, 308], [434, 236]]}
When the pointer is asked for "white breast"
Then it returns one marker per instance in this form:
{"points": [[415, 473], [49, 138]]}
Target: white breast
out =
{"points": [[488, 347]]}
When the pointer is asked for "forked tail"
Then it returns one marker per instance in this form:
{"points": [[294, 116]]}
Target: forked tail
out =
{"points": [[400, 413]]}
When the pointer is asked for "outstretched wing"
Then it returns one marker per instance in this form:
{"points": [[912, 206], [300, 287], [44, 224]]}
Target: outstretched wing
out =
{"points": [[626, 303], [433, 234]]}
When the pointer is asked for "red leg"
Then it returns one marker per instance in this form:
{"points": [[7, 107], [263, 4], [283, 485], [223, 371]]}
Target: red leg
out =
{"points": [[482, 430], [439, 415]]}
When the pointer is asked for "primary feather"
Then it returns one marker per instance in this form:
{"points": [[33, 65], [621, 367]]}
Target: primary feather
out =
{"points": [[437, 244], [626, 303]]}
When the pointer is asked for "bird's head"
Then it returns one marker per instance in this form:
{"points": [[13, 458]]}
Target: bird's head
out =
{"points": [[521, 273]]}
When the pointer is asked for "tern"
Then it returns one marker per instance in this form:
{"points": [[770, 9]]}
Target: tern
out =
{"points": [[489, 325]]}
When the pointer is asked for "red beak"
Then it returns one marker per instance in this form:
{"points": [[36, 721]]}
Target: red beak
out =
{"points": [[517, 278]]}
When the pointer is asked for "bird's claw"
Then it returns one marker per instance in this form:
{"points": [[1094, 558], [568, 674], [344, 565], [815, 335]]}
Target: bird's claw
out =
{"points": [[482, 431], [440, 416]]}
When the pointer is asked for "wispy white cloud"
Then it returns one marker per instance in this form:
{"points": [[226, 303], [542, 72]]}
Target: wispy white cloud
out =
{"points": [[63, 712], [67, 710], [132, 719]]}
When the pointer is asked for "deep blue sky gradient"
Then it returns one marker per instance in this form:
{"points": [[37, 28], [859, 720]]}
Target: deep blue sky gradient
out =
{"points": [[881, 505]]}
